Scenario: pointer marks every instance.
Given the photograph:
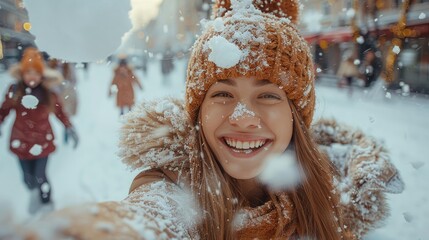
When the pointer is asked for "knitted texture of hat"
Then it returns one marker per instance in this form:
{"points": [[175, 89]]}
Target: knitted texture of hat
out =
{"points": [[32, 59], [252, 39]]}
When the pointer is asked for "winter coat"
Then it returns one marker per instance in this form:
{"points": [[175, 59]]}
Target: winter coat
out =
{"points": [[347, 69], [124, 79], [158, 140], [67, 91], [32, 136]]}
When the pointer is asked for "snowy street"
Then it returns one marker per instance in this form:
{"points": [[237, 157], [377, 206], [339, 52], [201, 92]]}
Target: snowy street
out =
{"points": [[93, 172]]}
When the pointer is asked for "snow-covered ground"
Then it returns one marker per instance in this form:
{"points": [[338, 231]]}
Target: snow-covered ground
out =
{"points": [[93, 172]]}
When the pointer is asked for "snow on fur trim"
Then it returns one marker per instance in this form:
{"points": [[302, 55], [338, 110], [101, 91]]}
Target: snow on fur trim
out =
{"points": [[366, 174], [51, 78], [157, 134]]}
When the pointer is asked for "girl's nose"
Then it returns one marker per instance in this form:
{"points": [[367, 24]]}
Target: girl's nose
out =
{"points": [[244, 118]]}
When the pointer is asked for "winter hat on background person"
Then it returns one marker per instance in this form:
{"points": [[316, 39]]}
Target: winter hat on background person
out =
{"points": [[32, 59], [253, 38]]}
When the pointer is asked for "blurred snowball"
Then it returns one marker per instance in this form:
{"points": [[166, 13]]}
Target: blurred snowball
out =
{"points": [[78, 30], [114, 88], [36, 150], [396, 49], [388, 95], [422, 16], [281, 172], [15, 143], [360, 40], [30, 102]]}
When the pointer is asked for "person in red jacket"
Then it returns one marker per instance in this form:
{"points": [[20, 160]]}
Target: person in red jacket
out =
{"points": [[32, 138]]}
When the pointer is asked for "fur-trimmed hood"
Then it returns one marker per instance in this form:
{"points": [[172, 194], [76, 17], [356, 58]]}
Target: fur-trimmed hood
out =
{"points": [[51, 78], [159, 134]]}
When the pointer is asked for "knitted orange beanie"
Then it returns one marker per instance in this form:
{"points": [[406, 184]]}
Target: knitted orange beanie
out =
{"points": [[32, 59], [262, 41]]}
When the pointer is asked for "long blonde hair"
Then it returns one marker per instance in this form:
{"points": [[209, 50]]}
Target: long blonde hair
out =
{"points": [[317, 216]]}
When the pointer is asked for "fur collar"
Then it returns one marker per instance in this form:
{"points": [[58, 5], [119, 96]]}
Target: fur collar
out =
{"points": [[157, 134], [51, 78]]}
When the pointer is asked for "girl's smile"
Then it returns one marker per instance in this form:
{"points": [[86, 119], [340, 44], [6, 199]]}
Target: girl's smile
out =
{"points": [[244, 120]]}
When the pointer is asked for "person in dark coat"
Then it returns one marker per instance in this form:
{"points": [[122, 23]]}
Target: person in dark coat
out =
{"points": [[32, 138], [371, 67]]}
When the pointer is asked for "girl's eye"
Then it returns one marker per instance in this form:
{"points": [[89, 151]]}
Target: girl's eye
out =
{"points": [[270, 96], [222, 95]]}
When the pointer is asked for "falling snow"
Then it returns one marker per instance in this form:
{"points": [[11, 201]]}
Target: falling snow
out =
{"points": [[396, 49], [281, 172]]}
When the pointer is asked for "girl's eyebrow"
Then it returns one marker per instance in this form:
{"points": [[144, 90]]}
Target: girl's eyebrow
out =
{"points": [[263, 82], [228, 82]]}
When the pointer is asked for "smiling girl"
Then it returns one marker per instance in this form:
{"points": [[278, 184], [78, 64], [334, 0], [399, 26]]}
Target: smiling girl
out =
{"points": [[249, 96]]}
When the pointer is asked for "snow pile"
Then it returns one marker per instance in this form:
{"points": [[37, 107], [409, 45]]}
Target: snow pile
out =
{"points": [[281, 172], [78, 30], [29, 102]]}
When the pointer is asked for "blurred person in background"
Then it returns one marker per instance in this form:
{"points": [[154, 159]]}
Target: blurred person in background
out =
{"points": [[167, 66], [123, 86], [371, 67], [67, 90], [33, 98], [347, 71]]}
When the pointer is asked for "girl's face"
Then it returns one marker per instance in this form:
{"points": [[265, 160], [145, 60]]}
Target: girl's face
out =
{"points": [[32, 78], [244, 120]]}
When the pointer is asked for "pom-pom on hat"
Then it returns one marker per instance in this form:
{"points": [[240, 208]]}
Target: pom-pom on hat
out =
{"points": [[32, 59], [254, 39]]}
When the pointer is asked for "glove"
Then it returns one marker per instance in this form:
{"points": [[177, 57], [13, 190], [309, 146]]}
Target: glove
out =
{"points": [[73, 135]]}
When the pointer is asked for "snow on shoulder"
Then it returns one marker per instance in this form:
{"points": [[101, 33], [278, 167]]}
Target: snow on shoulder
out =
{"points": [[79, 30]]}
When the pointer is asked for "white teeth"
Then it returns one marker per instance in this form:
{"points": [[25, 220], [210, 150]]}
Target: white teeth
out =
{"points": [[244, 145]]}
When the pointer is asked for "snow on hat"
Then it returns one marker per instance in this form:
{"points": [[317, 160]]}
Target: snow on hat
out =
{"points": [[254, 39], [32, 59]]}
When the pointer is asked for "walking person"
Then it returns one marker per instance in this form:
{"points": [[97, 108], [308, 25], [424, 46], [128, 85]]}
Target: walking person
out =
{"points": [[207, 162], [67, 90], [123, 85], [347, 72], [32, 138]]}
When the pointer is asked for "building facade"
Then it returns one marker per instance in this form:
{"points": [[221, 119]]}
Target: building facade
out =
{"points": [[358, 25], [13, 34]]}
